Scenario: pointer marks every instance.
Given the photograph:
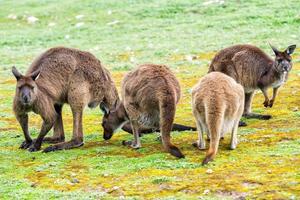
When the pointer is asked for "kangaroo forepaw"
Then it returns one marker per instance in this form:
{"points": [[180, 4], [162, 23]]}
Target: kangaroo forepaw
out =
{"points": [[266, 103], [271, 103], [25, 145]]}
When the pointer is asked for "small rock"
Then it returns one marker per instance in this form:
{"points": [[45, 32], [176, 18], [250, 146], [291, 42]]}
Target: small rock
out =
{"points": [[67, 36], [292, 197], [205, 192], [51, 24], [113, 22], [73, 174], [79, 24], [74, 180], [269, 171], [189, 58], [79, 16], [115, 187], [132, 59], [33, 185], [32, 20], [150, 45], [209, 171], [12, 16], [109, 12], [295, 109]]}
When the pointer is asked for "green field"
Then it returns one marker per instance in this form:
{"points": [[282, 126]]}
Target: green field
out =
{"points": [[184, 35]]}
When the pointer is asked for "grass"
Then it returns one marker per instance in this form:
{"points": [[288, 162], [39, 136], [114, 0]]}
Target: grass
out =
{"points": [[184, 35]]}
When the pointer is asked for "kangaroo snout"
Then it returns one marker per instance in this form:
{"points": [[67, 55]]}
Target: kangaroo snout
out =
{"points": [[107, 136]]}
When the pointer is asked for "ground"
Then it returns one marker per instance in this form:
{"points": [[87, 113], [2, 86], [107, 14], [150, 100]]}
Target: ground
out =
{"points": [[184, 35]]}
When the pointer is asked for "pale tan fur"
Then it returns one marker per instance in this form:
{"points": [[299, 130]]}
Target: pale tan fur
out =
{"points": [[218, 103]]}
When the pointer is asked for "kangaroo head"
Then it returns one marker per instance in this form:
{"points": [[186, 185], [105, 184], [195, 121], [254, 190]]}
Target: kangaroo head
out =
{"points": [[26, 89], [283, 59], [112, 119]]}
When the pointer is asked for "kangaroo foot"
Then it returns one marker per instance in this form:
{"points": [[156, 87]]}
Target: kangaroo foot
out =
{"points": [[266, 103], [233, 145], [158, 139], [54, 140], [206, 160], [132, 144], [241, 124], [33, 147], [257, 116], [64, 145]]}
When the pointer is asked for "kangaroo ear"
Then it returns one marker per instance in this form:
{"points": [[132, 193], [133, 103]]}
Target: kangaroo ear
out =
{"points": [[34, 75], [275, 50], [16, 73], [104, 108], [290, 49]]}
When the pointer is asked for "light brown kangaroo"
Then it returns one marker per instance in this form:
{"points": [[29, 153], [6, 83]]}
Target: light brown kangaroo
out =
{"points": [[218, 103], [58, 76], [149, 97], [254, 69]]}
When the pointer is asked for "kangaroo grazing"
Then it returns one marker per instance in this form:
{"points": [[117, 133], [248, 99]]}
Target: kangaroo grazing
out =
{"points": [[149, 97], [58, 76], [254, 69], [218, 103]]}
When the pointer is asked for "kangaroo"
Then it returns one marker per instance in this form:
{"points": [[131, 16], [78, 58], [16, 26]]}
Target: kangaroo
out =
{"points": [[149, 97], [218, 103], [254, 69], [58, 76]]}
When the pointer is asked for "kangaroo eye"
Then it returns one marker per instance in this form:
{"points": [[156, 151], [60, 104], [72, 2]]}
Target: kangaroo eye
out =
{"points": [[279, 60]]}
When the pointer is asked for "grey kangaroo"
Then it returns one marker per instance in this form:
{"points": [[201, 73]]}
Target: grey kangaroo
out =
{"points": [[254, 69], [149, 97], [58, 76]]}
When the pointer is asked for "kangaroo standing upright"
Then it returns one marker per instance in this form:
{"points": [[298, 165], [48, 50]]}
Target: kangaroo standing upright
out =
{"points": [[58, 76], [218, 103], [254, 69], [149, 97]]}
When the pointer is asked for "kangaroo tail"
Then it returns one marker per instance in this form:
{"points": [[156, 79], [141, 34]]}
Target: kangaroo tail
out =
{"points": [[214, 123], [179, 127], [176, 127], [167, 108]]}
